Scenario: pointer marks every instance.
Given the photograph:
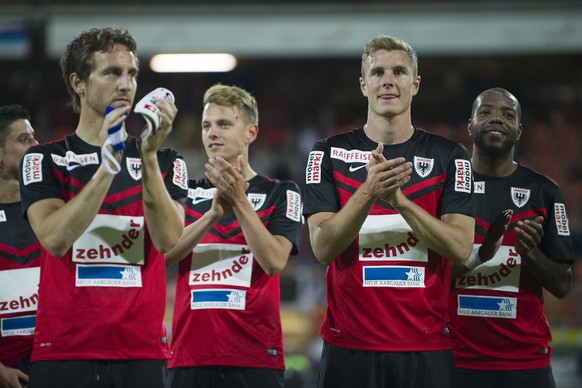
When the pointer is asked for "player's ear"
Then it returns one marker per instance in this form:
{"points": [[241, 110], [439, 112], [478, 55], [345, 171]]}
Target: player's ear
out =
{"points": [[77, 85], [252, 132]]}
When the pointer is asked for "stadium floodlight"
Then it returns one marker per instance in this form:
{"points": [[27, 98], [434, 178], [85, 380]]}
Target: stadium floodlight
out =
{"points": [[193, 63]]}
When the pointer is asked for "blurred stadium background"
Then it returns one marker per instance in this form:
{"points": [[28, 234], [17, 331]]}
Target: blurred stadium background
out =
{"points": [[302, 61]]}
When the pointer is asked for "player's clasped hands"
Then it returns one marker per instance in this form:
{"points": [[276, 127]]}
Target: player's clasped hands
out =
{"points": [[387, 176], [529, 234]]}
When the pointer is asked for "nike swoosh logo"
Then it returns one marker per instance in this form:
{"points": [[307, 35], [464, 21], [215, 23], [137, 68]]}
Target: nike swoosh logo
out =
{"points": [[199, 199], [352, 168]]}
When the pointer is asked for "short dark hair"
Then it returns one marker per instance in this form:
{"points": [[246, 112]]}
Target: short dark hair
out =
{"points": [[501, 91], [8, 115], [78, 56]]}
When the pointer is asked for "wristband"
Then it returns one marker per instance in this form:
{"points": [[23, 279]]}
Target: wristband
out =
{"points": [[115, 133], [108, 159], [474, 260]]}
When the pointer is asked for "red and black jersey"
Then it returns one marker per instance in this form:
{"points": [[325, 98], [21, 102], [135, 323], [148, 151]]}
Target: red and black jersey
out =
{"points": [[105, 298], [19, 274], [388, 291], [226, 310], [497, 309]]}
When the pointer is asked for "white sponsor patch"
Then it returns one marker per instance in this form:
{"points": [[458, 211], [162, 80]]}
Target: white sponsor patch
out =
{"points": [[18, 326], [2, 216], [463, 180], [423, 166], [393, 276], [221, 264], [19, 290], [313, 169], [103, 275], [180, 178], [210, 298], [501, 273], [479, 187], [350, 156], [389, 237], [111, 239], [71, 160], [257, 200], [198, 194], [32, 168], [487, 306], [520, 196], [133, 166], [561, 219], [293, 205]]}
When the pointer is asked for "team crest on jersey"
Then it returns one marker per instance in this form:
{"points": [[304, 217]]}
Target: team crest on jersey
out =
{"points": [[519, 196], [257, 200], [423, 166], [134, 167], [2, 216]]}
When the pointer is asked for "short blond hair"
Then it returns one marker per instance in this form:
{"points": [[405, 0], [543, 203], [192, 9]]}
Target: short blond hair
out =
{"points": [[388, 43], [230, 96]]}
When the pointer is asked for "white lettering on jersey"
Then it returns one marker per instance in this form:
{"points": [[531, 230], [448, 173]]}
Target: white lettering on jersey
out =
{"points": [[71, 160], [313, 169], [221, 264], [2, 216], [487, 306], [520, 196], [350, 156], [111, 239], [180, 178], [19, 290], [198, 194], [133, 166], [423, 166], [463, 180], [293, 205], [501, 273], [479, 187], [256, 200], [389, 237], [561, 219], [32, 168]]}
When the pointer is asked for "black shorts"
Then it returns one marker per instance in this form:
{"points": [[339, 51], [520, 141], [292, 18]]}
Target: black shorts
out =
{"points": [[348, 368], [530, 378], [98, 374], [224, 377]]}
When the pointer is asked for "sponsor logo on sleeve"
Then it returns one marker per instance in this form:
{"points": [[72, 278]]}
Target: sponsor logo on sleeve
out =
{"points": [[32, 168], [479, 187], [423, 166], [133, 167], [180, 178], [463, 180], [487, 306], [313, 169], [561, 219], [2, 216], [519, 196], [293, 205]]}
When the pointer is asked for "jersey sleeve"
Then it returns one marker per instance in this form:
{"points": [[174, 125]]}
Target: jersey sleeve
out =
{"points": [[175, 175], [320, 188], [287, 220], [557, 241], [458, 189], [37, 177]]}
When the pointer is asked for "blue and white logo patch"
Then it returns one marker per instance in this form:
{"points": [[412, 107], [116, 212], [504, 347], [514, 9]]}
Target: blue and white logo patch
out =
{"points": [[218, 299], [18, 326], [392, 276], [487, 306], [102, 275]]}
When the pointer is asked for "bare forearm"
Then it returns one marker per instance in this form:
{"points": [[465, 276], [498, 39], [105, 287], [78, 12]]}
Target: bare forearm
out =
{"points": [[553, 276], [451, 237], [58, 225], [267, 250], [165, 220]]}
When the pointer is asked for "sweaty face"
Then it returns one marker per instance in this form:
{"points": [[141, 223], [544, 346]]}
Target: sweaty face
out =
{"points": [[225, 132], [495, 126], [20, 138], [113, 80], [389, 83]]}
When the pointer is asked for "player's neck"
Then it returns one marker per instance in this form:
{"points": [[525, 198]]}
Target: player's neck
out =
{"points": [[494, 167], [389, 131], [9, 191], [89, 127]]}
